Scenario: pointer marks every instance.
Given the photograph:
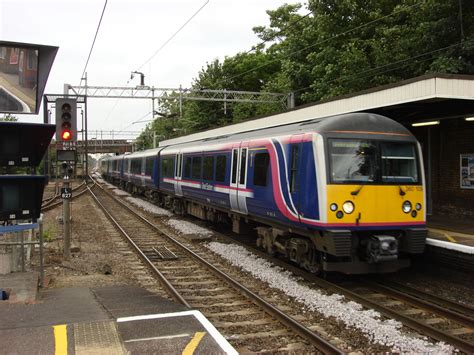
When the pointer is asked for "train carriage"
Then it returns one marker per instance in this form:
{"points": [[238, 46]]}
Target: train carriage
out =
{"points": [[342, 193], [140, 172]]}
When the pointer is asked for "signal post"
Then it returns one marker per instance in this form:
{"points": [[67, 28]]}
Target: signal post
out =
{"points": [[66, 138]]}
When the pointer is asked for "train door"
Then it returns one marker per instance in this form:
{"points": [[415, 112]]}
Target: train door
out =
{"points": [[178, 174], [238, 178], [296, 173]]}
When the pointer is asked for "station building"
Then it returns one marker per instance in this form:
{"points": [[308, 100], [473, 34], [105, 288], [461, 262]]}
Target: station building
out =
{"points": [[438, 109]]}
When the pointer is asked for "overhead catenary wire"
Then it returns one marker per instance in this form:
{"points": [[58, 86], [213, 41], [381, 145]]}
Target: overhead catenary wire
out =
{"points": [[137, 121], [93, 42], [282, 31], [173, 35], [157, 51]]}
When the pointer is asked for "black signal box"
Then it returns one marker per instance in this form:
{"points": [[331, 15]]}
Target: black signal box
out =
{"points": [[24, 144], [21, 196]]}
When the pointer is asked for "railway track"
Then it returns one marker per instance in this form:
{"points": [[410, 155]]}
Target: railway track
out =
{"points": [[438, 318], [197, 280], [465, 310], [433, 320], [55, 200], [428, 314]]}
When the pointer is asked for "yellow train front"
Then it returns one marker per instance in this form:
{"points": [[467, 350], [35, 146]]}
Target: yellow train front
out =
{"points": [[374, 193]]}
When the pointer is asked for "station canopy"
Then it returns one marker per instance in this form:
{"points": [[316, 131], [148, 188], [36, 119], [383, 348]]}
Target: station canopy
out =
{"points": [[424, 98]]}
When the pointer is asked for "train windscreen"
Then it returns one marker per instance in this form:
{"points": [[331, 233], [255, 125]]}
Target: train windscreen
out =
{"points": [[370, 161]]}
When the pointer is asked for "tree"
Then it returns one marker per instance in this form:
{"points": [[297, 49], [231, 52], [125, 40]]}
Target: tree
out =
{"points": [[338, 47]]}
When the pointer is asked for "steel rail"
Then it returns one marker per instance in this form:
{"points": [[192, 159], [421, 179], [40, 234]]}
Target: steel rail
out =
{"points": [[420, 303], [418, 326], [56, 204], [462, 309], [313, 338], [50, 204], [424, 328], [166, 284]]}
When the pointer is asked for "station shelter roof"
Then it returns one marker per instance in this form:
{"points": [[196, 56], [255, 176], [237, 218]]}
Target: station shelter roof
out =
{"points": [[424, 98]]}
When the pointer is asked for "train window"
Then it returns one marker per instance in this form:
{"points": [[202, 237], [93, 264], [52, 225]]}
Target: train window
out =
{"points": [[187, 168], [167, 167], [399, 163], [352, 160], [243, 166], [149, 166], [262, 161], [196, 171], [235, 156], [294, 167], [221, 162], [208, 168], [136, 166]]}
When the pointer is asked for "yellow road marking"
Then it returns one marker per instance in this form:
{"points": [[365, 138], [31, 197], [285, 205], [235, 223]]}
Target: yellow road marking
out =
{"points": [[451, 239], [60, 338], [189, 349]]}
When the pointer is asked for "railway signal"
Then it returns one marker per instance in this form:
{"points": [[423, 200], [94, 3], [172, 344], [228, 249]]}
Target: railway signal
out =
{"points": [[22, 146], [66, 120]]}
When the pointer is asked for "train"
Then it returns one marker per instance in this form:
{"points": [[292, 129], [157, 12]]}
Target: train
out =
{"points": [[344, 193]]}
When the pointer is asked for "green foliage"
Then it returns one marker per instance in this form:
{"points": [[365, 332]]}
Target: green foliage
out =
{"points": [[8, 117], [329, 48], [48, 235]]}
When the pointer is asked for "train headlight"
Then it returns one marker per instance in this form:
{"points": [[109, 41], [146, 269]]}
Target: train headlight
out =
{"points": [[333, 207], [418, 206], [406, 207], [348, 207]]}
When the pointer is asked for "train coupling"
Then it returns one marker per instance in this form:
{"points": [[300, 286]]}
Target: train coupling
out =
{"points": [[382, 248]]}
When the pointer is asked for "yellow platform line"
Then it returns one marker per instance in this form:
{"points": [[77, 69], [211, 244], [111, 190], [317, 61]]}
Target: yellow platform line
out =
{"points": [[451, 239], [193, 344], [60, 339]]}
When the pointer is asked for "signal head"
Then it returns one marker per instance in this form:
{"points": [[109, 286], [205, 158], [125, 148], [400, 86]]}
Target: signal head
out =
{"points": [[66, 135], [66, 119]]}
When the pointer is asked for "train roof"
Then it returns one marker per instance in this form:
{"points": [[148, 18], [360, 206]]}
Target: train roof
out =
{"points": [[353, 123], [143, 153]]}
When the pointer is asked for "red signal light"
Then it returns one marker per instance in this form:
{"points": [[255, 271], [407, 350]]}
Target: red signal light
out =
{"points": [[66, 135]]}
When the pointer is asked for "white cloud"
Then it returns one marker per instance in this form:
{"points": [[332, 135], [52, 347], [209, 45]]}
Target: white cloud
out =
{"points": [[130, 33]]}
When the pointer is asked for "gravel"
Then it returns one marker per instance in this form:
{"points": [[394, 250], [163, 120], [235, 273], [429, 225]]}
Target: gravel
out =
{"points": [[369, 322], [147, 206], [186, 227], [120, 192]]}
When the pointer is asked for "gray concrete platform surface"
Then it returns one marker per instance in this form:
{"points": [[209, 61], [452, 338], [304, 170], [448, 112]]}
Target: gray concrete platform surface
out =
{"points": [[22, 287], [105, 320], [453, 230]]}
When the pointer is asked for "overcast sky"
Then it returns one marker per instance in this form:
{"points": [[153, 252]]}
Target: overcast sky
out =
{"points": [[130, 33]]}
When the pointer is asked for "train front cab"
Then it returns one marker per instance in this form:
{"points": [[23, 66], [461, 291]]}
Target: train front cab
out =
{"points": [[375, 203]]}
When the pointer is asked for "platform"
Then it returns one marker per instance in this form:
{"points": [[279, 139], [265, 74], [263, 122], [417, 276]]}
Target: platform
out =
{"points": [[450, 243], [108, 320], [445, 228]]}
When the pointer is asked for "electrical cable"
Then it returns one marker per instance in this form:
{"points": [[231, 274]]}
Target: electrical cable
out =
{"points": [[134, 122], [93, 42], [174, 34], [156, 52], [279, 32]]}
